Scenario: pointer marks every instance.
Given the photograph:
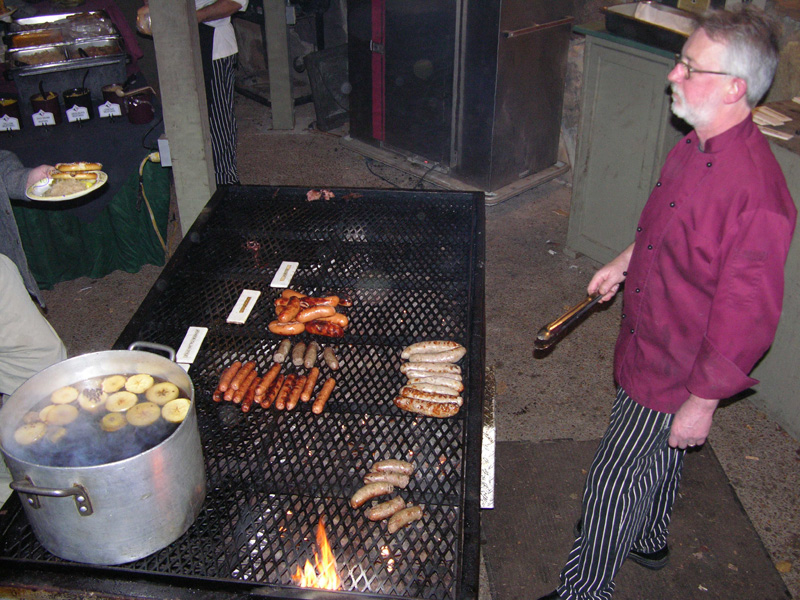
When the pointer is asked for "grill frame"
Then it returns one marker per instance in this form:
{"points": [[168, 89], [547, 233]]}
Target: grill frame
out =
{"points": [[369, 240]]}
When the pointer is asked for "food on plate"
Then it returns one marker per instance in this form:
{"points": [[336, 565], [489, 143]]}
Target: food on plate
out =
{"points": [[122, 401], [384, 510], [29, 433], [162, 392], [315, 312], [396, 479], [446, 356], [370, 491], [282, 351], [78, 167], [143, 414], [64, 395], [297, 354], [329, 356], [426, 407], [113, 383], [432, 346], [326, 328], [310, 357], [404, 517], [62, 414], [175, 411], [308, 388], [139, 383], [394, 465], [290, 328], [323, 396], [66, 187], [113, 422]]}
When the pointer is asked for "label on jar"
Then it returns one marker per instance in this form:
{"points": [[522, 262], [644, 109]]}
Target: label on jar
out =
{"points": [[8, 123], [77, 113], [43, 118], [109, 109]]}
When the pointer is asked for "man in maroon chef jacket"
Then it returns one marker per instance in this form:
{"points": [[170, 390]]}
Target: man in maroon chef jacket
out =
{"points": [[702, 298]]}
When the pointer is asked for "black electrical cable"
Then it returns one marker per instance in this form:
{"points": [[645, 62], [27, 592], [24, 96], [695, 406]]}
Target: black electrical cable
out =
{"points": [[149, 131], [369, 162]]}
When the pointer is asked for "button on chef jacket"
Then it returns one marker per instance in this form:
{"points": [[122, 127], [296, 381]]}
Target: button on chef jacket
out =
{"points": [[704, 288]]}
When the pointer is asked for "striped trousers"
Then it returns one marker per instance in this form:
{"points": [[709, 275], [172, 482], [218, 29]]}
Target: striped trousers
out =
{"points": [[627, 501], [222, 121]]}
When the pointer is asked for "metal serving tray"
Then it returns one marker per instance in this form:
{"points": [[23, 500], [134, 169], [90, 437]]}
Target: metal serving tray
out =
{"points": [[38, 58]]}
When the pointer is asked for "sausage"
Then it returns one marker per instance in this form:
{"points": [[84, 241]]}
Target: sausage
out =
{"points": [[396, 479], [267, 380], [439, 410], [370, 491], [227, 376], [286, 389], [416, 394], [384, 510], [315, 312], [338, 318], [282, 352], [454, 384], [297, 354], [290, 311], [417, 374], [290, 328], [432, 388], [393, 465], [329, 356], [448, 356], [250, 395], [325, 328], [310, 357], [437, 368], [297, 389], [404, 517], [238, 396], [287, 293], [320, 301], [242, 374], [345, 300], [429, 347], [323, 395], [272, 393], [217, 395], [308, 388]]}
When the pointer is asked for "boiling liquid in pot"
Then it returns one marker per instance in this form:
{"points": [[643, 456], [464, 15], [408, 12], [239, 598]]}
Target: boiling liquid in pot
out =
{"points": [[86, 440]]}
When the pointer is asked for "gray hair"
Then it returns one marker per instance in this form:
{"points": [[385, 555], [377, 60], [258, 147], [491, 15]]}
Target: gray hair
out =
{"points": [[751, 44]]}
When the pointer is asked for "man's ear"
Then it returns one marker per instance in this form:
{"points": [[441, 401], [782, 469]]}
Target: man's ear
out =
{"points": [[736, 90]]}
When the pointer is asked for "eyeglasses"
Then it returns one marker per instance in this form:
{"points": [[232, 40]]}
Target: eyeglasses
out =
{"points": [[679, 60]]}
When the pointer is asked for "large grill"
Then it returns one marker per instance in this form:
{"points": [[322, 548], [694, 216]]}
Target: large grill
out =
{"points": [[413, 263]]}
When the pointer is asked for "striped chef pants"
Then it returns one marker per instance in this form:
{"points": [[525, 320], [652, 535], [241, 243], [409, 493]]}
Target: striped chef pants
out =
{"points": [[627, 501], [222, 121]]}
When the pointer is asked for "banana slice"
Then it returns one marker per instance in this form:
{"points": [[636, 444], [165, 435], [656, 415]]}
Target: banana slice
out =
{"points": [[113, 421], [30, 433], [114, 383], [55, 434], [64, 395], [138, 384], [31, 417], [42, 416], [92, 399], [143, 414], [163, 392], [121, 401], [61, 414], [175, 411]]}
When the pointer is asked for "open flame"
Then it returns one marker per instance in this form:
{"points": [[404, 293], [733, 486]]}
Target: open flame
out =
{"points": [[322, 574]]}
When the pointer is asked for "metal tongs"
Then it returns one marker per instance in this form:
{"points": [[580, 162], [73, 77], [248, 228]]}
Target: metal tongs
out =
{"points": [[548, 334]]}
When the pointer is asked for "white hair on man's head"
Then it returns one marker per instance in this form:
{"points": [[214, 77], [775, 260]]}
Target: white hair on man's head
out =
{"points": [[751, 41]]}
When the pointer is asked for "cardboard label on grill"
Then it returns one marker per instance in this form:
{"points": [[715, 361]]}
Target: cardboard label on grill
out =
{"points": [[191, 345], [243, 307], [284, 275]]}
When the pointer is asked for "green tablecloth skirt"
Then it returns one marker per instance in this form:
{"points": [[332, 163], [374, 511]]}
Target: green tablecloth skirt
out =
{"points": [[60, 247]]}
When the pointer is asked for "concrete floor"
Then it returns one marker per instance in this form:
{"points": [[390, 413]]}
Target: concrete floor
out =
{"points": [[566, 395]]}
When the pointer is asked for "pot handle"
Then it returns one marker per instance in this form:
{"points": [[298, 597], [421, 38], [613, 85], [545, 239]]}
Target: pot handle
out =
{"points": [[170, 352], [33, 492]]}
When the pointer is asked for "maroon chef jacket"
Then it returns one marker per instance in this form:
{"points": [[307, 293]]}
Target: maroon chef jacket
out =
{"points": [[704, 287]]}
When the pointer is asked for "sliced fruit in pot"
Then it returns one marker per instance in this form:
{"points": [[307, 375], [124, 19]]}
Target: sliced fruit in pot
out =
{"points": [[175, 411], [139, 384], [121, 401], [114, 383], [163, 392], [92, 399], [143, 414], [30, 433], [62, 414], [64, 395], [113, 421]]}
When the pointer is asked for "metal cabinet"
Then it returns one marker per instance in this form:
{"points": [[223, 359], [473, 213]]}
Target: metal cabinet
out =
{"points": [[625, 133]]}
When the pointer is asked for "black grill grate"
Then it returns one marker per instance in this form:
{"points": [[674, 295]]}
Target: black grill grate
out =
{"points": [[412, 263]]}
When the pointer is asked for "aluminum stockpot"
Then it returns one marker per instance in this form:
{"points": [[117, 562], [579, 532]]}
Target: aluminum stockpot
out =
{"points": [[121, 511]]}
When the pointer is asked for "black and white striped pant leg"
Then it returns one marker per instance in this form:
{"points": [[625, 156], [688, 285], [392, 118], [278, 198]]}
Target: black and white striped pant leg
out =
{"points": [[222, 121], [621, 484]]}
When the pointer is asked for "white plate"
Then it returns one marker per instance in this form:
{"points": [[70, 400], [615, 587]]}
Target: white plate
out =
{"points": [[38, 190]]}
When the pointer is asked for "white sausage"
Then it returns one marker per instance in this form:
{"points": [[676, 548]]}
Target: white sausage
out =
{"points": [[370, 491], [430, 367], [433, 388], [448, 356], [454, 384], [429, 346]]}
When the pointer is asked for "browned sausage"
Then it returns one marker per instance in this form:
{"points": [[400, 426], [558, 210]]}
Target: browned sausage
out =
{"points": [[393, 465], [429, 409], [396, 479], [384, 510], [322, 397], [297, 389], [267, 380], [243, 374], [290, 311], [315, 312], [308, 388], [217, 396], [370, 491], [338, 318], [287, 293], [320, 301], [250, 395], [290, 328], [227, 376], [403, 517], [272, 393], [238, 396], [286, 389], [325, 328]]}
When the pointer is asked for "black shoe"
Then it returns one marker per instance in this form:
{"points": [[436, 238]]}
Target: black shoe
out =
{"points": [[551, 596], [651, 560]]}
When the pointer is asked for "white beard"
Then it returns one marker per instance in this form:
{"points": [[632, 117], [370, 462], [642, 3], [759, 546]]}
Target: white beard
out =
{"points": [[696, 116]]}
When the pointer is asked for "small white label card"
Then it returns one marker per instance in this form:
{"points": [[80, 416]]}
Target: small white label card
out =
{"points": [[77, 113], [191, 344], [244, 305], [43, 118], [8, 123], [283, 277], [109, 109]]}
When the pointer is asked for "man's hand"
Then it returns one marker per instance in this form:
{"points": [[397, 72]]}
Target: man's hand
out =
{"points": [[218, 10], [692, 422], [39, 173], [608, 277]]}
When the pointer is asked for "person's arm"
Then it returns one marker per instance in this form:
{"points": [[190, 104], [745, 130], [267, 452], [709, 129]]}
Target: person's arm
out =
{"points": [[692, 422], [607, 279], [218, 10]]}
